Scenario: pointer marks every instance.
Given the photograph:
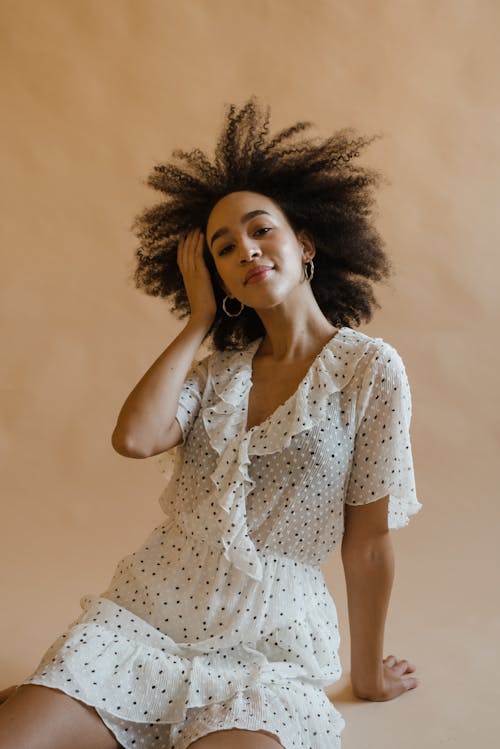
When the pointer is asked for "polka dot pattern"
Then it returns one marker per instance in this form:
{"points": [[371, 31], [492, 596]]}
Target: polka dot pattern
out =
{"points": [[382, 461], [294, 712], [222, 617]]}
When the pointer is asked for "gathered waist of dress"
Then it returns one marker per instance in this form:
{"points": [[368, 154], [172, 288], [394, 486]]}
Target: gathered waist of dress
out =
{"points": [[203, 539]]}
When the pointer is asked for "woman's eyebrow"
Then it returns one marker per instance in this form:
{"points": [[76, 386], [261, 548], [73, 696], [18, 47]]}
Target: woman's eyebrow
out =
{"points": [[243, 219]]}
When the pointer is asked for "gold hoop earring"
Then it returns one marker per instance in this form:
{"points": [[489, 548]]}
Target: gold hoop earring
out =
{"points": [[308, 270], [231, 314]]}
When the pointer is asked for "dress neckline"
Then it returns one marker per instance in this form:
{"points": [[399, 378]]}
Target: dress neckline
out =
{"points": [[252, 350]]}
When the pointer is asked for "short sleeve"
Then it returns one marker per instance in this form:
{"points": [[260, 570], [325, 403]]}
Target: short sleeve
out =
{"points": [[191, 396], [382, 462], [190, 400]]}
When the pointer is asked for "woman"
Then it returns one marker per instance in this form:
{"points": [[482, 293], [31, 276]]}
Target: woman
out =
{"points": [[291, 437]]}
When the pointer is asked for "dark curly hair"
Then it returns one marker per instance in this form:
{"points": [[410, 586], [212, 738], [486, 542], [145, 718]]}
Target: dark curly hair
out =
{"points": [[317, 187]]}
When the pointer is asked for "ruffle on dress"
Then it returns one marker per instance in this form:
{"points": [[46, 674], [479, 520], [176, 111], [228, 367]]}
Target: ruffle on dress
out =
{"points": [[225, 422], [177, 676], [167, 462]]}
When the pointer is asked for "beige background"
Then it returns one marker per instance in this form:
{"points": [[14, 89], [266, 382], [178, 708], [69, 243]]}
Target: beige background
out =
{"points": [[96, 91]]}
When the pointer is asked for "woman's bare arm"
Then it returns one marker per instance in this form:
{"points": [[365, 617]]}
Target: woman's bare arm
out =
{"points": [[368, 561], [146, 424]]}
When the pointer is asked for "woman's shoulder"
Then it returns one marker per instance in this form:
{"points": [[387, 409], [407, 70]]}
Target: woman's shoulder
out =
{"points": [[348, 353], [374, 346], [363, 354]]}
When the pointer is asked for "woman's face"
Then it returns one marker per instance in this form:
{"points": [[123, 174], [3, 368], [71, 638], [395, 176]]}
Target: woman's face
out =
{"points": [[247, 231]]}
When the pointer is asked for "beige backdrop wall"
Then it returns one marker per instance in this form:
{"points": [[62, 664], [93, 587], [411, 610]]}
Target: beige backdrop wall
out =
{"points": [[96, 91]]}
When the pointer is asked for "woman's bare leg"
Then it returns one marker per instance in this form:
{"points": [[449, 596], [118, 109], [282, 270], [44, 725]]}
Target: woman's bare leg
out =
{"points": [[6, 693], [232, 737], [37, 717]]}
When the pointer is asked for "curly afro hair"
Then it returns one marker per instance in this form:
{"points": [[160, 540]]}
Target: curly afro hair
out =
{"points": [[314, 182]]}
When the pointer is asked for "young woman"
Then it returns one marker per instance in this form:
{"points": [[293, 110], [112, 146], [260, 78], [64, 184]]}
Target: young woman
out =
{"points": [[289, 439]]}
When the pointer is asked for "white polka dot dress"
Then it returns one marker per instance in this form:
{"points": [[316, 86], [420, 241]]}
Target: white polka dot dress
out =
{"points": [[222, 618]]}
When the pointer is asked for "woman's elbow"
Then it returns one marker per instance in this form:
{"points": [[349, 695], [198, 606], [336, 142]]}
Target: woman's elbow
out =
{"points": [[125, 445]]}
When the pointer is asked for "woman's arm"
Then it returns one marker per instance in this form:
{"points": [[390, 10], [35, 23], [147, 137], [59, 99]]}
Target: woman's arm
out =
{"points": [[368, 562], [146, 423]]}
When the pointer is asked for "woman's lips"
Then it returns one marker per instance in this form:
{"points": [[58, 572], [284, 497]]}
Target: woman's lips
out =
{"points": [[259, 275]]}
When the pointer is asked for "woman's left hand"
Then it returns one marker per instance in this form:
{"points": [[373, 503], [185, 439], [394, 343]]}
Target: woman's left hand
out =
{"points": [[397, 677]]}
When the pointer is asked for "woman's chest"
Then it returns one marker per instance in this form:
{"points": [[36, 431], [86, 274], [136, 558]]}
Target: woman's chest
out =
{"points": [[270, 388], [295, 506], [288, 474]]}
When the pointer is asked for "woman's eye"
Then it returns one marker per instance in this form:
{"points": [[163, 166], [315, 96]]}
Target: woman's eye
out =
{"points": [[263, 229]]}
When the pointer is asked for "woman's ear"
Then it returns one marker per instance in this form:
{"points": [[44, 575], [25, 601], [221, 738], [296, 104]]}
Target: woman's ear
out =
{"points": [[307, 246]]}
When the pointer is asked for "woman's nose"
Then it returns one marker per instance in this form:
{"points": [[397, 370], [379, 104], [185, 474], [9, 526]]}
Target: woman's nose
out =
{"points": [[248, 250]]}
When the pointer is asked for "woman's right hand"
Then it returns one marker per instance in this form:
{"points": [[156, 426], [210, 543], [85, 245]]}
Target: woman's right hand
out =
{"points": [[196, 277]]}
